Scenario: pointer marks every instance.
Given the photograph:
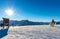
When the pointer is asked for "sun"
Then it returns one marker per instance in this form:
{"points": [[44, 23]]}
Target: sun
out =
{"points": [[9, 12]]}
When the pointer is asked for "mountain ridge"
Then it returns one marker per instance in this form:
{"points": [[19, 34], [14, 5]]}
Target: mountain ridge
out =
{"points": [[27, 22]]}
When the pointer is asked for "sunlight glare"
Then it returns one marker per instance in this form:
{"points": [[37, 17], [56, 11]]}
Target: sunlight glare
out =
{"points": [[9, 12]]}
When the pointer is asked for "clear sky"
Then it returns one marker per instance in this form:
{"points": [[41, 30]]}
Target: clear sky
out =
{"points": [[34, 10]]}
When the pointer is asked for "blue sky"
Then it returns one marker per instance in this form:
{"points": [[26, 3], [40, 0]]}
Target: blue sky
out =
{"points": [[34, 10]]}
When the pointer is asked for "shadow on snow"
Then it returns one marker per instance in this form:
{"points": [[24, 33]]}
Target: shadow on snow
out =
{"points": [[3, 32]]}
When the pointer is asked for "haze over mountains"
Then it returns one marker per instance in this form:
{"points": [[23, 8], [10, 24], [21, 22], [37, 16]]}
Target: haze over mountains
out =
{"points": [[27, 22]]}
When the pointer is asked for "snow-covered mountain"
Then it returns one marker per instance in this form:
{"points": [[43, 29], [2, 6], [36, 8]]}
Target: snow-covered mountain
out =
{"points": [[26, 22]]}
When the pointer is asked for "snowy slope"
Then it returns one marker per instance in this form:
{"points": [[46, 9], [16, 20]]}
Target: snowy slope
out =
{"points": [[33, 32]]}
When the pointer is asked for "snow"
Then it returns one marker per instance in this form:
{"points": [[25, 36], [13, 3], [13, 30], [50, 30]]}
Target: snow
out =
{"points": [[33, 32]]}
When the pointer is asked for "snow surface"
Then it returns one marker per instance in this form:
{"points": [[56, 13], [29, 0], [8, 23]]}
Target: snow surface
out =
{"points": [[33, 32]]}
